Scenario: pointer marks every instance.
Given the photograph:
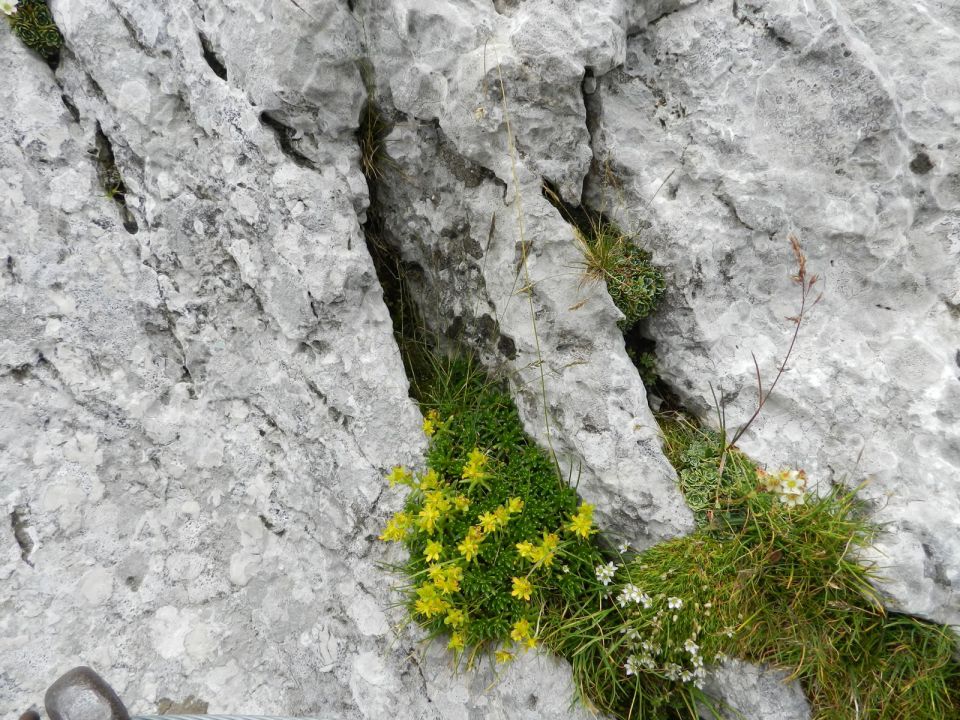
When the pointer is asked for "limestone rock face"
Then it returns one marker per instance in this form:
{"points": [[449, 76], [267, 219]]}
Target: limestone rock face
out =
{"points": [[516, 296], [724, 131], [201, 391], [198, 404]]}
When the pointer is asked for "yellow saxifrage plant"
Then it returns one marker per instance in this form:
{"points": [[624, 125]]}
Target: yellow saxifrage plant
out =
{"points": [[494, 535]]}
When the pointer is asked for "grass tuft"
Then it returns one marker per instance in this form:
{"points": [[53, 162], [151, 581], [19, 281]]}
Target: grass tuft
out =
{"points": [[634, 283]]}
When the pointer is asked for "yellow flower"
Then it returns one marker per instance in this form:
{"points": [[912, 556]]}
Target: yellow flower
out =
{"points": [[470, 547], [396, 528], [429, 603], [430, 423], [461, 502], [449, 581], [455, 618], [502, 516], [456, 641], [582, 526], [530, 644], [546, 550], [525, 549], [542, 556], [582, 523], [522, 589], [426, 591], [437, 499], [430, 480], [473, 471], [488, 521], [515, 505], [503, 656], [435, 571], [437, 606], [400, 475], [427, 518], [521, 630], [477, 457], [433, 550]]}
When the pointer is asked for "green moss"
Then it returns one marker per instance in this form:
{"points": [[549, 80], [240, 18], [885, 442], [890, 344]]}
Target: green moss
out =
{"points": [[33, 23]]}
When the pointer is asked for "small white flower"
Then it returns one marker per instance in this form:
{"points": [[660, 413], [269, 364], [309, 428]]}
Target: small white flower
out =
{"points": [[674, 603], [566, 569], [691, 647], [686, 676], [623, 547], [648, 662], [606, 572], [720, 657], [672, 671], [631, 665], [9, 7]]}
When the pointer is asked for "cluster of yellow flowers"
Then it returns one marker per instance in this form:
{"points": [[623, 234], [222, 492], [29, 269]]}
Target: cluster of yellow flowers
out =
{"points": [[543, 552], [475, 470], [489, 522], [430, 423], [439, 499], [449, 557]]}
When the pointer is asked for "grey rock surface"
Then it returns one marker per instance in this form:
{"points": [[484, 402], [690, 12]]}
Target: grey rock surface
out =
{"points": [[531, 318], [730, 126], [200, 391], [196, 416], [751, 691]]}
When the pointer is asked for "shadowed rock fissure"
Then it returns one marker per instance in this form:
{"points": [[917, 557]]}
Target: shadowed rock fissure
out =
{"points": [[111, 179], [21, 532]]}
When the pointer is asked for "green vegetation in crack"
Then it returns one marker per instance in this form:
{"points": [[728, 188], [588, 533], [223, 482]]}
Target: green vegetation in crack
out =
{"points": [[33, 23], [504, 557], [634, 283], [613, 257]]}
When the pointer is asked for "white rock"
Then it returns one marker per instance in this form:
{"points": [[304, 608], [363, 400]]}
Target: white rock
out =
{"points": [[725, 133]]}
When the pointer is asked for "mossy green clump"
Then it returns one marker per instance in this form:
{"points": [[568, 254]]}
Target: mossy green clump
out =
{"points": [[33, 23], [504, 556], [493, 532], [634, 283]]}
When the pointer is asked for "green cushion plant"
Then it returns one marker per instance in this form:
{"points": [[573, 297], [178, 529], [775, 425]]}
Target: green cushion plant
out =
{"points": [[32, 22]]}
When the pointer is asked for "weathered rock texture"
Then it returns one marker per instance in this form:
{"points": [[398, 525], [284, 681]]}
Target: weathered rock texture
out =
{"points": [[196, 416], [201, 391], [729, 126], [463, 85]]}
